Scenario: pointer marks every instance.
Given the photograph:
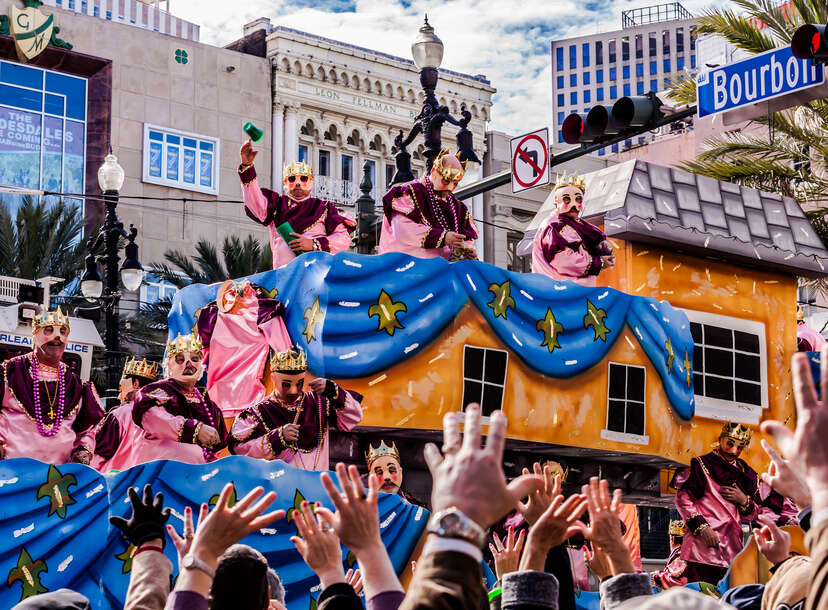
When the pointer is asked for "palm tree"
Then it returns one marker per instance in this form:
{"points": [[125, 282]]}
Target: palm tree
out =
{"points": [[777, 158], [238, 258]]}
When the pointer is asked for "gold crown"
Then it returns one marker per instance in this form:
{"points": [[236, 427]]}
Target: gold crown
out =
{"points": [[448, 174], [289, 361], [382, 451], [677, 527], [297, 168], [50, 318], [571, 180], [738, 432], [184, 343], [141, 368]]}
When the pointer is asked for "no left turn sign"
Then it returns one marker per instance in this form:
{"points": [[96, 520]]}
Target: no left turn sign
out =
{"points": [[530, 160]]}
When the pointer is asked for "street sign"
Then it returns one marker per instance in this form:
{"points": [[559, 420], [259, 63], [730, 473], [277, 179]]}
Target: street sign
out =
{"points": [[530, 160], [759, 78]]}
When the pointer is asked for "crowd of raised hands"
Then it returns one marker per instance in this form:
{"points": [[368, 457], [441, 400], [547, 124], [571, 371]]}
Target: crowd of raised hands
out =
{"points": [[469, 484]]}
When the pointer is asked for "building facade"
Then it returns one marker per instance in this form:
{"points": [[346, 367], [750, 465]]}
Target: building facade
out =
{"points": [[654, 45]]}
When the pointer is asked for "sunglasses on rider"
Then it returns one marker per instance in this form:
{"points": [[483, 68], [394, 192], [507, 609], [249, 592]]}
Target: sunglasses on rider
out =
{"points": [[292, 179], [567, 198]]}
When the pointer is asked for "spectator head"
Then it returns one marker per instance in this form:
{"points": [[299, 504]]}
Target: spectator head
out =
{"points": [[241, 581], [277, 589], [62, 599]]}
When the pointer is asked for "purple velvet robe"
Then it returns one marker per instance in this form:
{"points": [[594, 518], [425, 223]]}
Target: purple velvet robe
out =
{"points": [[438, 216], [18, 431], [553, 240]]}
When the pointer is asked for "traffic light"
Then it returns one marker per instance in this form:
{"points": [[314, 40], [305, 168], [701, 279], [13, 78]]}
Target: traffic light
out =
{"points": [[628, 116], [809, 42]]}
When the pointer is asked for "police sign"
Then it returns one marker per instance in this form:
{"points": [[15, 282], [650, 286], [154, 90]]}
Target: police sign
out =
{"points": [[758, 78]]}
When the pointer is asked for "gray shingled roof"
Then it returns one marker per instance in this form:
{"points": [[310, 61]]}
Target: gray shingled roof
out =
{"points": [[644, 202]]}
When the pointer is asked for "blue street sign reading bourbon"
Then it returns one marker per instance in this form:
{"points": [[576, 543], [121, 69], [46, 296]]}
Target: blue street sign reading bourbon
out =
{"points": [[755, 79]]}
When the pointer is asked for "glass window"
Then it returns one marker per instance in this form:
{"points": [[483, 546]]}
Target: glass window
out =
{"points": [[679, 40], [324, 167], [180, 160], [585, 52], [665, 41], [653, 67], [560, 82], [573, 97], [666, 66], [559, 61], [599, 53], [693, 39], [599, 94], [372, 170], [561, 117], [651, 40], [484, 377], [639, 87], [573, 57], [639, 46], [614, 147], [613, 75], [601, 152], [679, 63], [626, 71], [599, 76], [42, 131], [639, 69], [560, 99], [587, 97], [626, 389], [586, 78], [560, 136], [613, 92], [693, 61], [389, 174], [573, 80], [626, 89], [303, 154], [625, 48], [612, 51], [654, 85], [347, 167], [154, 290]]}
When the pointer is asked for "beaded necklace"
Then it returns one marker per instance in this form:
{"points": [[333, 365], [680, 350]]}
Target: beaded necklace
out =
{"points": [[209, 454], [438, 209], [57, 419]]}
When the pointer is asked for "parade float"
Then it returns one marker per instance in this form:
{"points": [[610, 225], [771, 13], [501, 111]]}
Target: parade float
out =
{"points": [[694, 325]]}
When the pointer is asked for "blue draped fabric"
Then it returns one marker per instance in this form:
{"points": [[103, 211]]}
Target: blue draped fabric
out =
{"points": [[369, 313], [75, 547]]}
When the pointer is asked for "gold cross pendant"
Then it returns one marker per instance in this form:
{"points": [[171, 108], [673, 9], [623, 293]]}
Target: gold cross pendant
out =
{"points": [[51, 413]]}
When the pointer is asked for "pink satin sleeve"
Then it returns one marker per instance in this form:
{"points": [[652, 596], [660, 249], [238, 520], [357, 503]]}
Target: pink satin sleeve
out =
{"points": [[339, 240], [349, 416], [161, 424], [86, 439], [276, 334], [254, 199], [685, 504]]}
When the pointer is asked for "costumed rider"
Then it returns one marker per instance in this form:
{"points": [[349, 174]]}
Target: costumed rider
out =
{"points": [[315, 224], [292, 424], [47, 412], [715, 496], [423, 218], [118, 441], [238, 330], [566, 247], [384, 463], [807, 339], [180, 421]]}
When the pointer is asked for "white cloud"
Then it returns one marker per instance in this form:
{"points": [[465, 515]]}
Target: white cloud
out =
{"points": [[507, 40]]}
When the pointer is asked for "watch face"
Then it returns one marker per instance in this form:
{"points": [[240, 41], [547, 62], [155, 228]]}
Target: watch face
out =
{"points": [[188, 561], [450, 522]]}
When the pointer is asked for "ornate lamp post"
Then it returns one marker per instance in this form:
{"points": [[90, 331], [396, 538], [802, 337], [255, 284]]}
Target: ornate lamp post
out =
{"points": [[93, 286], [427, 50]]}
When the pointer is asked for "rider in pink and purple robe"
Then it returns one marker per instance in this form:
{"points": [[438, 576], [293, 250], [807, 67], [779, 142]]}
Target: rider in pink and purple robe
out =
{"points": [[318, 225], [807, 339], [292, 425], [117, 439], [47, 412], [423, 218], [566, 247], [238, 330], [180, 422]]}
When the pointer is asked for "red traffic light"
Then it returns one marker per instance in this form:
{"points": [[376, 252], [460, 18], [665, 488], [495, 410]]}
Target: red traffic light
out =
{"points": [[580, 128], [808, 42], [573, 127]]}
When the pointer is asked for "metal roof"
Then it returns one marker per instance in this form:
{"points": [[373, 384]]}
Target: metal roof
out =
{"points": [[643, 202]]}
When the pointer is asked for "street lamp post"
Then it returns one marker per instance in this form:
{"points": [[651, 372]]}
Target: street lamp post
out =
{"points": [[93, 286], [427, 50]]}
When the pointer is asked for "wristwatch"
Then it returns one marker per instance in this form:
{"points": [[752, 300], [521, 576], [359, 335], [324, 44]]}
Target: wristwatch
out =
{"points": [[452, 523], [191, 562]]}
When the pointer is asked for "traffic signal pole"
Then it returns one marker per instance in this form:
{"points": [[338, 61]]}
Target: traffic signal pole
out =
{"points": [[504, 177]]}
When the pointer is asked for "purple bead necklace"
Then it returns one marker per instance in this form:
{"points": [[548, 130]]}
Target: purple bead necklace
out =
{"points": [[209, 454], [438, 209], [61, 400]]}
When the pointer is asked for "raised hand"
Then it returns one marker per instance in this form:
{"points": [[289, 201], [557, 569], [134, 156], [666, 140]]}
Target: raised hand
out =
{"points": [[185, 540], [506, 553], [248, 155], [319, 547], [356, 520], [774, 543], [604, 528], [557, 523], [147, 520], [539, 500], [598, 562], [354, 578], [784, 479], [470, 478]]}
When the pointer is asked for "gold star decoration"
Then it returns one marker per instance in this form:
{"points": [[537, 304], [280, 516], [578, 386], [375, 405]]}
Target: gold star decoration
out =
{"points": [[551, 329], [595, 319], [28, 573], [688, 369], [671, 355], [56, 488], [126, 556], [313, 316], [502, 299], [386, 309]]}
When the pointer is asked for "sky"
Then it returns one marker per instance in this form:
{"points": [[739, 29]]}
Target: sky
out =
{"points": [[506, 40]]}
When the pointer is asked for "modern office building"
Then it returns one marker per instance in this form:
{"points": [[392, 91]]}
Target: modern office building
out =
{"points": [[654, 44]]}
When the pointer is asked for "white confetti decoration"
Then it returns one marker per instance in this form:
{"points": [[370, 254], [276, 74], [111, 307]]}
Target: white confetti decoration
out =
{"points": [[65, 563], [11, 481], [349, 355], [603, 294], [24, 530], [388, 521], [210, 475], [527, 295], [411, 347], [404, 268], [517, 340], [276, 475], [374, 382], [570, 362], [97, 489], [348, 304], [268, 531], [427, 297], [419, 514], [468, 277]]}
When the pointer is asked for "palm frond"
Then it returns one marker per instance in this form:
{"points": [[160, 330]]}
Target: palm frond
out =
{"points": [[736, 29], [682, 89]]}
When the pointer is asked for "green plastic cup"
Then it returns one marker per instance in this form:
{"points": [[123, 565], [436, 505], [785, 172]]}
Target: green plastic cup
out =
{"points": [[254, 132], [285, 231]]}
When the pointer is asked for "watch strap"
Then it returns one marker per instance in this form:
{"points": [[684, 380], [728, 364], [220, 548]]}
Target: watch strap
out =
{"points": [[191, 562]]}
